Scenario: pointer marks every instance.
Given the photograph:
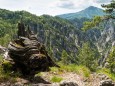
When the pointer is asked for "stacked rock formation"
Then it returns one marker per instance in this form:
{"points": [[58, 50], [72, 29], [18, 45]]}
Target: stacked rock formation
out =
{"points": [[28, 54]]}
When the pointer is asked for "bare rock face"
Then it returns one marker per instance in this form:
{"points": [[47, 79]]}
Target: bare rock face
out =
{"points": [[28, 54]]}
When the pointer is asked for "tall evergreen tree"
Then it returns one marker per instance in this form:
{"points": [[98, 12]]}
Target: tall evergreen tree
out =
{"points": [[110, 9], [110, 14], [111, 60], [88, 56]]}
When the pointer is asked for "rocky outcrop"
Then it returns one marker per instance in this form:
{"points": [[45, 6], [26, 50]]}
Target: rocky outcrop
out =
{"points": [[28, 54], [106, 41], [106, 83], [104, 80]]}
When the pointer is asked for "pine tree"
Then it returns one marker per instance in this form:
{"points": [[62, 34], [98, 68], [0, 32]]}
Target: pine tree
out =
{"points": [[88, 56], [64, 57], [110, 9], [111, 60], [110, 14]]}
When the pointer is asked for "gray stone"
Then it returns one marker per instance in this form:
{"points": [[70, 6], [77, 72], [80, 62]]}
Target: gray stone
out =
{"points": [[66, 83], [106, 83]]}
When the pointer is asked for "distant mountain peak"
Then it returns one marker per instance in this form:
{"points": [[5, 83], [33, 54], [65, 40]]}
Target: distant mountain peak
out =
{"points": [[92, 8], [88, 12]]}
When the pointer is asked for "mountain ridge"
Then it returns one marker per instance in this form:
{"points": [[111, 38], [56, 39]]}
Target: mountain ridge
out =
{"points": [[88, 13]]}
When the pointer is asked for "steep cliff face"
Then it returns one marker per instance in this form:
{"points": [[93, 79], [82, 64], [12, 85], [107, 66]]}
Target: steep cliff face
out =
{"points": [[107, 38]]}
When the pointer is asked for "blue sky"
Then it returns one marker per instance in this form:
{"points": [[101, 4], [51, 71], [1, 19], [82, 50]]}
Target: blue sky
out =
{"points": [[50, 7]]}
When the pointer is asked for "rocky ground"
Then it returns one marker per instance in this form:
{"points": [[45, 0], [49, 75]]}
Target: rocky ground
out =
{"points": [[69, 79]]}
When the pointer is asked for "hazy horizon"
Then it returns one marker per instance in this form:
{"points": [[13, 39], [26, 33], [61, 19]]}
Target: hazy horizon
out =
{"points": [[50, 7]]}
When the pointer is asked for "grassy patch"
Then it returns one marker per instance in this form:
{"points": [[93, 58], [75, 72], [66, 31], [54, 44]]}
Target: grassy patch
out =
{"points": [[81, 70], [107, 72], [56, 79], [54, 69]]}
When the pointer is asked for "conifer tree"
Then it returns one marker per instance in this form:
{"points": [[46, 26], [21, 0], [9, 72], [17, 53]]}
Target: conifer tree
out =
{"points": [[110, 9], [110, 14], [88, 56], [111, 60]]}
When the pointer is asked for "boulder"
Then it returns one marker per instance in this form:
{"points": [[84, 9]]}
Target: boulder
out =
{"points": [[106, 83], [105, 80]]}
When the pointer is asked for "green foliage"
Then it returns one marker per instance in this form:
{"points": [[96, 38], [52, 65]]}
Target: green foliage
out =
{"points": [[47, 28], [65, 57], [110, 13], [54, 69], [110, 9], [56, 79], [88, 56], [111, 60], [89, 24], [79, 69], [7, 66], [5, 40], [8, 76]]}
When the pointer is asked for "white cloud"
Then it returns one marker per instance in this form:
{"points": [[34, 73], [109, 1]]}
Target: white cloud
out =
{"points": [[66, 4], [13, 4], [51, 7], [101, 1]]}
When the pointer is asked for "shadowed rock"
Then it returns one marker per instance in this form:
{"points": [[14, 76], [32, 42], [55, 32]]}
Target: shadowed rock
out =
{"points": [[28, 54]]}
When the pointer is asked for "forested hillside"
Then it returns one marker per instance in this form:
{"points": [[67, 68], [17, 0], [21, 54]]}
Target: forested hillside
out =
{"points": [[76, 48], [63, 39]]}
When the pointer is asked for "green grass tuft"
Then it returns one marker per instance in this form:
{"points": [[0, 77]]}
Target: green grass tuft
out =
{"points": [[79, 69], [54, 69], [56, 79], [107, 72]]}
